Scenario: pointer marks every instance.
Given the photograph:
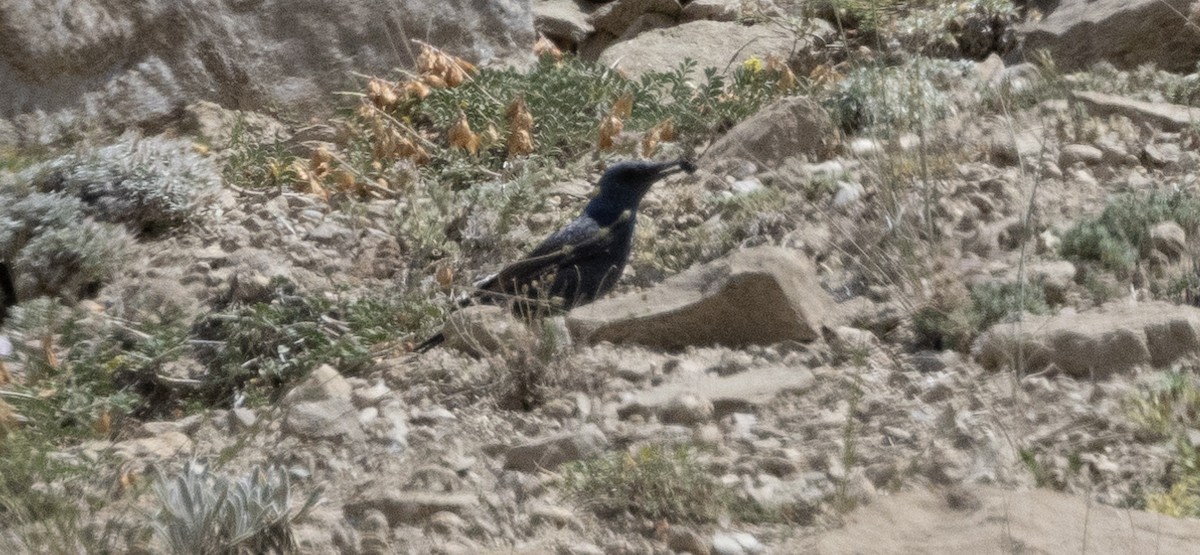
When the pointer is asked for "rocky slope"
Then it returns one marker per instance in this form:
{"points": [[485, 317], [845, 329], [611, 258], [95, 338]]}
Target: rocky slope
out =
{"points": [[921, 296]]}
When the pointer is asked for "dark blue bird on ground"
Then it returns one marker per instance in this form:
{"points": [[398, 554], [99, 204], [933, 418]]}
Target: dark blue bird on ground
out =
{"points": [[583, 260]]}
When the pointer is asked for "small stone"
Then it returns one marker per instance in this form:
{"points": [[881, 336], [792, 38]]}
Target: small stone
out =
{"points": [[324, 383], [368, 396], [683, 540], [686, 409], [242, 418], [446, 522], [736, 543], [1086, 154], [1170, 239], [329, 419], [550, 452]]}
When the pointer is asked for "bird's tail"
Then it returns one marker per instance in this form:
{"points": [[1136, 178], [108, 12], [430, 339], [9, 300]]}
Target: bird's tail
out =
{"points": [[430, 343], [8, 293]]}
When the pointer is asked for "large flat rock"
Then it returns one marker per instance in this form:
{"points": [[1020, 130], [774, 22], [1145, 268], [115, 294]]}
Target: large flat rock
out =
{"points": [[757, 296], [1114, 338]]}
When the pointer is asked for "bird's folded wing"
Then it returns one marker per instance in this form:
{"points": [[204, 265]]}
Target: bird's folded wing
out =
{"points": [[574, 243], [8, 293]]}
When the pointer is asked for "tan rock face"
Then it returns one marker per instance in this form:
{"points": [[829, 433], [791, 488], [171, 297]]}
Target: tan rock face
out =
{"points": [[757, 296], [1114, 338], [118, 62]]}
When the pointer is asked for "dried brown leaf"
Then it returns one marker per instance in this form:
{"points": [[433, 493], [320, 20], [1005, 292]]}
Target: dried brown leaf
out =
{"points": [[462, 137]]}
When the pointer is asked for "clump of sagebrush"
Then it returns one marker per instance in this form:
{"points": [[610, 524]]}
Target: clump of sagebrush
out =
{"points": [[148, 184], [892, 100], [656, 482], [55, 247], [203, 513], [953, 319], [259, 349], [1119, 236]]}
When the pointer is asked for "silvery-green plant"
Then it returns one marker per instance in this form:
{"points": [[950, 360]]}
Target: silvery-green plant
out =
{"points": [[55, 248], [148, 184], [204, 513]]}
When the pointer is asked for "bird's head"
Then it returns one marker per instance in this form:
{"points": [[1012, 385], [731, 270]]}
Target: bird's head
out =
{"points": [[623, 185]]}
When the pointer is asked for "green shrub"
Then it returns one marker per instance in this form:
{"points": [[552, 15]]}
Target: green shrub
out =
{"points": [[147, 184], [656, 482], [891, 100], [955, 324], [1120, 236], [568, 100], [209, 514], [264, 347], [55, 248]]}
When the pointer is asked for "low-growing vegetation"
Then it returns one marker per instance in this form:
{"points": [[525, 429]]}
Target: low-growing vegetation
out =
{"points": [[1119, 237]]}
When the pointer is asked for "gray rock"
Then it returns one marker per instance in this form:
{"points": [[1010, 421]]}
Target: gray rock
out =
{"points": [[562, 21], [242, 418], [1086, 154], [712, 10], [1114, 338], [736, 543], [332, 419], [756, 296], [549, 452], [791, 126], [686, 409], [1170, 239], [409, 507], [324, 383], [616, 17], [1079, 33], [709, 43], [119, 63]]}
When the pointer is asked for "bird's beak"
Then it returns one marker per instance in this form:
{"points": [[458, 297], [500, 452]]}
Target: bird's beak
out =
{"points": [[672, 168]]}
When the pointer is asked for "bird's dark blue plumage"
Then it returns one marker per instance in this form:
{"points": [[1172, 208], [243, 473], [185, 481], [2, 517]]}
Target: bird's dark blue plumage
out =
{"points": [[583, 260]]}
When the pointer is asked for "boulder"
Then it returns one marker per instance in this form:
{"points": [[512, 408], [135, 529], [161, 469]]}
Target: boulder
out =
{"points": [[717, 44], [1079, 33], [616, 17], [788, 127], [757, 296], [547, 453], [119, 63], [563, 21], [1114, 338]]}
